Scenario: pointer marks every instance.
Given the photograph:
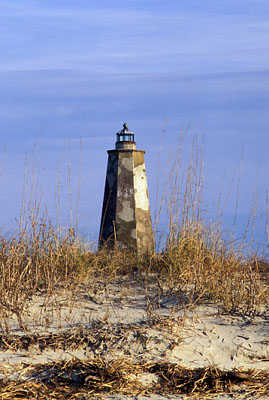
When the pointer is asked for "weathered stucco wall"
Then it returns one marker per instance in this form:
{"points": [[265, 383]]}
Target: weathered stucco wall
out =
{"points": [[144, 235], [125, 208]]}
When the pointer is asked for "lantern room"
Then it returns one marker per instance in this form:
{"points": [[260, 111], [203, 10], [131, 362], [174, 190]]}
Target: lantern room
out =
{"points": [[125, 138]]}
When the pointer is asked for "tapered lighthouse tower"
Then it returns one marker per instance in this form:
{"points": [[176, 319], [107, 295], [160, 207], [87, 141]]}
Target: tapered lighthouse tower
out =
{"points": [[126, 219]]}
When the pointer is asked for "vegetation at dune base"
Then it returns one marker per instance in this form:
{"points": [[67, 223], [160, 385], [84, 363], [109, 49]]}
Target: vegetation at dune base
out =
{"points": [[195, 264]]}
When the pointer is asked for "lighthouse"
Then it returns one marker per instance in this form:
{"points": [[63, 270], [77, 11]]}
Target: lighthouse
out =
{"points": [[126, 220]]}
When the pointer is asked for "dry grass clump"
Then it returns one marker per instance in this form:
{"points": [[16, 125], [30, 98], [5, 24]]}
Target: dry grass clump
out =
{"points": [[200, 268], [44, 260], [66, 340], [35, 261], [80, 379], [197, 263], [92, 337]]}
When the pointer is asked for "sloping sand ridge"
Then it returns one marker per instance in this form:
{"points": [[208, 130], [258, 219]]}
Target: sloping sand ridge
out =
{"points": [[123, 340]]}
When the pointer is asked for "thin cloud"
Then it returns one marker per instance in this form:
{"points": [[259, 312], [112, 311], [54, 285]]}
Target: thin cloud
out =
{"points": [[148, 41]]}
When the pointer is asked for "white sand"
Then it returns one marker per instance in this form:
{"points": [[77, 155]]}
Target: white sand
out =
{"points": [[130, 324]]}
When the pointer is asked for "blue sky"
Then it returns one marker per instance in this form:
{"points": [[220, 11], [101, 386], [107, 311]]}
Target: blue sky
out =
{"points": [[74, 70]]}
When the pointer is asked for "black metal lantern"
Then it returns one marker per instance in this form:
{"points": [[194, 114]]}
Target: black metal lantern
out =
{"points": [[125, 135]]}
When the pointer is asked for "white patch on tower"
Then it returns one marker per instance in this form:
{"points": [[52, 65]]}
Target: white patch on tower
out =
{"points": [[141, 188], [127, 213]]}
